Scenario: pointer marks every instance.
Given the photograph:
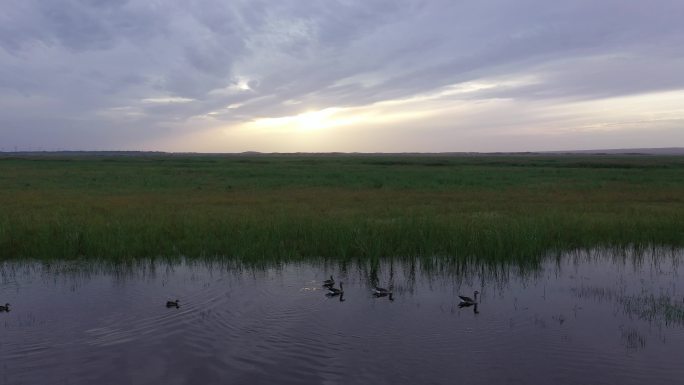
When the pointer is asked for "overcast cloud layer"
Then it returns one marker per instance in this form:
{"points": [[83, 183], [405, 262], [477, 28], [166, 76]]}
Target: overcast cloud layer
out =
{"points": [[354, 75]]}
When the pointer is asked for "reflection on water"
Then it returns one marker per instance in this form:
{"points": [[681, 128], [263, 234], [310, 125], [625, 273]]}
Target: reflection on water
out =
{"points": [[579, 318]]}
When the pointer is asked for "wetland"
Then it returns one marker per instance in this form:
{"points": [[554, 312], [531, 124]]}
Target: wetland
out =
{"points": [[596, 318], [576, 259]]}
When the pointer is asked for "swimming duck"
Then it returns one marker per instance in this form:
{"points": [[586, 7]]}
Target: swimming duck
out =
{"points": [[381, 291], [4, 308], [172, 304], [329, 282], [467, 301], [336, 291]]}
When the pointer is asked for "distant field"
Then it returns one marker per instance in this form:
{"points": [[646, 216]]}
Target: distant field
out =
{"points": [[287, 207]]}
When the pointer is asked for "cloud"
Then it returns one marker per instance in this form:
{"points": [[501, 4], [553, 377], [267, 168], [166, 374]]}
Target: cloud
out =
{"points": [[96, 73]]}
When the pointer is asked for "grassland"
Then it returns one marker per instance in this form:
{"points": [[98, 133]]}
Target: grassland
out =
{"points": [[288, 207]]}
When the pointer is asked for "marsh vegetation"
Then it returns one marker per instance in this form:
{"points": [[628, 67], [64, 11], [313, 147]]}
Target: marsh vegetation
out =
{"points": [[298, 207]]}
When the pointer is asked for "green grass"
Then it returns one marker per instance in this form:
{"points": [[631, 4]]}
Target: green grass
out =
{"points": [[494, 209]]}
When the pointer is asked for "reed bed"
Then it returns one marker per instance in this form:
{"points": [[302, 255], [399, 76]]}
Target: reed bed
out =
{"points": [[498, 208]]}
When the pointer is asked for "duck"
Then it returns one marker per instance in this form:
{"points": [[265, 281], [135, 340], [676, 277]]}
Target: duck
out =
{"points": [[5, 308], [467, 301], [335, 291], [172, 304], [329, 282], [381, 291]]}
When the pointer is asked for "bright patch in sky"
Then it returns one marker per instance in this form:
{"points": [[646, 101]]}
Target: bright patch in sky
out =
{"points": [[306, 121]]}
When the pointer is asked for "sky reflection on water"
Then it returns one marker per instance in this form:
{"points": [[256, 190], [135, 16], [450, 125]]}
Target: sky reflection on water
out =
{"points": [[581, 318]]}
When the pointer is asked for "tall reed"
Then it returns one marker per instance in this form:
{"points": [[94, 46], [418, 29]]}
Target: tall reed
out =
{"points": [[285, 208]]}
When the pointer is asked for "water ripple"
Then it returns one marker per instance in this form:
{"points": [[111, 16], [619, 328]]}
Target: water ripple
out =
{"points": [[277, 326]]}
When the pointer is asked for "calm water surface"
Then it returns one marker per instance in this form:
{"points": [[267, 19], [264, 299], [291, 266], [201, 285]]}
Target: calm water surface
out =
{"points": [[580, 319]]}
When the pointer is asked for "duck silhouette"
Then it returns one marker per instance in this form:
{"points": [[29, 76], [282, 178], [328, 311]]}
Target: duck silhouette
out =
{"points": [[382, 292], [172, 304], [333, 291], [467, 301], [329, 282]]}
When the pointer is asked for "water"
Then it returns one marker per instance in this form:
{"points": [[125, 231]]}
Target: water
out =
{"points": [[590, 319]]}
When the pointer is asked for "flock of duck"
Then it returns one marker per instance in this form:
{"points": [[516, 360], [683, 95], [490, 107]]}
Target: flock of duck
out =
{"points": [[334, 292], [383, 292]]}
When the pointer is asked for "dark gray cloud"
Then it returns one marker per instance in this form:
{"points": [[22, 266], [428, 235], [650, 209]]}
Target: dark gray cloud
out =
{"points": [[116, 73]]}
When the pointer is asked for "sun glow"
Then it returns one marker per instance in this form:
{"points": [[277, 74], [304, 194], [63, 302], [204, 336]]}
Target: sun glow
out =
{"points": [[308, 121]]}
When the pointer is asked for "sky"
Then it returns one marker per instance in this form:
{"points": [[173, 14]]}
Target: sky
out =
{"points": [[347, 75]]}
